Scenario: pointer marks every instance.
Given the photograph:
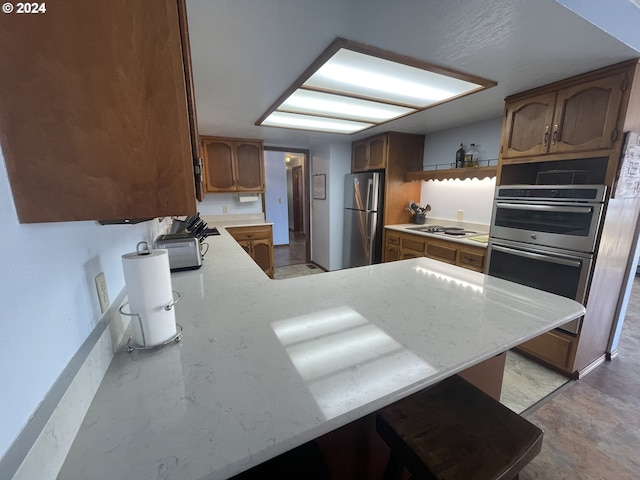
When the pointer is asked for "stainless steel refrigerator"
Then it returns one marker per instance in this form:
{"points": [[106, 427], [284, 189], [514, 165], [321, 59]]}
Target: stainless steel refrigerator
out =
{"points": [[363, 202]]}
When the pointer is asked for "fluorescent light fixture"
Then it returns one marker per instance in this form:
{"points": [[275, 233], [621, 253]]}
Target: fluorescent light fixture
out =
{"points": [[309, 122], [353, 86], [330, 105]]}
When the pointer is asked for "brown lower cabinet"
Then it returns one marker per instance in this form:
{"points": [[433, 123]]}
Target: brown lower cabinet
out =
{"points": [[258, 243], [402, 245], [555, 348]]}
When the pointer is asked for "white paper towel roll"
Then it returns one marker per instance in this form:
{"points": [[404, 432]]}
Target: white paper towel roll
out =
{"points": [[148, 282]]}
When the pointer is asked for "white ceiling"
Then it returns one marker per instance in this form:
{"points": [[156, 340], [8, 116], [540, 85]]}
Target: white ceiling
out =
{"points": [[247, 52]]}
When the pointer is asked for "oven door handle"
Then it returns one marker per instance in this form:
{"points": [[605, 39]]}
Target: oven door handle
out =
{"points": [[538, 256], [546, 208]]}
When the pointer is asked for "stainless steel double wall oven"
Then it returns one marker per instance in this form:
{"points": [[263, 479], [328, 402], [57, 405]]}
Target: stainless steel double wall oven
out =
{"points": [[545, 236]]}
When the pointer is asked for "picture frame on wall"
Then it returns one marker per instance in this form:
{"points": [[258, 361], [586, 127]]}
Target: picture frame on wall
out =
{"points": [[320, 186]]}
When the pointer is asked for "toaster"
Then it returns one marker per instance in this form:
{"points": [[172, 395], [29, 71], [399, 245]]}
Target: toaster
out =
{"points": [[183, 248]]}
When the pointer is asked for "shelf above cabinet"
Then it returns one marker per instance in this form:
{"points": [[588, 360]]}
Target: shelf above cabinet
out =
{"points": [[452, 173]]}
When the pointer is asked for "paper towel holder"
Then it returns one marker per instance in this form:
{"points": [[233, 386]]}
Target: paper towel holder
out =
{"points": [[134, 346]]}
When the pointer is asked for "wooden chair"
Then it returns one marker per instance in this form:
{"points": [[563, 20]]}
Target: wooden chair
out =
{"points": [[454, 431]]}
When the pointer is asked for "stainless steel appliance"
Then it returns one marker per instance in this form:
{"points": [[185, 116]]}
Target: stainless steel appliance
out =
{"points": [[563, 216], [545, 237], [363, 224], [184, 250]]}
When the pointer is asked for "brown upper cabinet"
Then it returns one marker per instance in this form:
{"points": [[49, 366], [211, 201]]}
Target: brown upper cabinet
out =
{"points": [[575, 124], [369, 154], [577, 118], [233, 165], [98, 121], [396, 154]]}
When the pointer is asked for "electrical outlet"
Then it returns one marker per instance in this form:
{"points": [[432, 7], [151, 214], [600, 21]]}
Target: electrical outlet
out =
{"points": [[103, 293], [460, 215], [225, 209]]}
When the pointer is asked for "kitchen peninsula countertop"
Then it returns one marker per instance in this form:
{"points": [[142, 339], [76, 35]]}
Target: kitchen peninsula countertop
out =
{"points": [[267, 365]]}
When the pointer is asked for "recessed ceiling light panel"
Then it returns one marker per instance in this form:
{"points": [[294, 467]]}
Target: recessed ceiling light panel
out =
{"points": [[318, 124], [340, 106], [353, 86], [362, 75]]}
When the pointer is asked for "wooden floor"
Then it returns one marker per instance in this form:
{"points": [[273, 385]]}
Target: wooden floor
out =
{"points": [[292, 254], [592, 426]]}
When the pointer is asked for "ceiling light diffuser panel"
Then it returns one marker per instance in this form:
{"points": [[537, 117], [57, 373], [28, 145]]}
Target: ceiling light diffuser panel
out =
{"points": [[352, 87]]}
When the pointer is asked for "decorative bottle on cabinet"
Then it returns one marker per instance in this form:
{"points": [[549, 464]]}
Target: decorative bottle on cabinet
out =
{"points": [[460, 157], [471, 157]]}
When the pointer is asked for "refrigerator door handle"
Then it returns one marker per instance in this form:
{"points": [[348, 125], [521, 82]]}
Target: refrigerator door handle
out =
{"points": [[369, 193], [370, 236]]}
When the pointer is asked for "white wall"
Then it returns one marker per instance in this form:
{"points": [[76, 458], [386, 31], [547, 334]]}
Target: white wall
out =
{"points": [[49, 304], [214, 204], [276, 201], [320, 211], [333, 160], [440, 147], [340, 166], [473, 196]]}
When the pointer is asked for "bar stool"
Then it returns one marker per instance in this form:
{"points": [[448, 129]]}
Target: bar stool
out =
{"points": [[454, 431]]}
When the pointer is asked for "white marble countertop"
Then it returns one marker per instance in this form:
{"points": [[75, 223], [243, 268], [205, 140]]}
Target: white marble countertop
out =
{"points": [[481, 240], [266, 365]]}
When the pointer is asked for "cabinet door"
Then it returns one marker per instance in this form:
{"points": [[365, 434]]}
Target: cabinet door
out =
{"points": [[377, 152], [249, 172], [405, 254], [443, 251], [527, 129], [392, 247], [359, 153], [391, 253], [95, 121], [415, 243], [218, 165], [246, 245], [586, 115], [471, 258], [263, 255]]}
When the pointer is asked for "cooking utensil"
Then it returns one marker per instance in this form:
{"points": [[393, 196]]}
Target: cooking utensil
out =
{"points": [[178, 226]]}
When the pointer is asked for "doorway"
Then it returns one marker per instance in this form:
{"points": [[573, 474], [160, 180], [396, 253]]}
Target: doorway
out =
{"points": [[292, 164]]}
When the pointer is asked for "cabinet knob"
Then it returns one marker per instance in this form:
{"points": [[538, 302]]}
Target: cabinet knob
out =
{"points": [[554, 138]]}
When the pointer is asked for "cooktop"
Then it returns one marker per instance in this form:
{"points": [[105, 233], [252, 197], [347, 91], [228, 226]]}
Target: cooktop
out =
{"points": [[443, 230]]}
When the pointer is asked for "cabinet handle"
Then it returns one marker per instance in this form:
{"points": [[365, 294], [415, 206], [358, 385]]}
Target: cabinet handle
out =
{"points": [[555, 134], [470, 259], [545, 137]]}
